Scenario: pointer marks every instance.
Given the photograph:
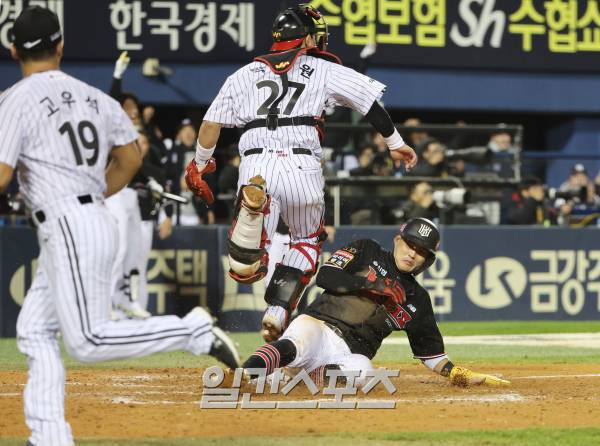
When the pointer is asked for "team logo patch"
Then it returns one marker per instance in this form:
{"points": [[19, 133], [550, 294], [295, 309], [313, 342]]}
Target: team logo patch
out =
{"points": [[372, 275], [344, 253], [425, 230], [340, 259], [399, 317]]}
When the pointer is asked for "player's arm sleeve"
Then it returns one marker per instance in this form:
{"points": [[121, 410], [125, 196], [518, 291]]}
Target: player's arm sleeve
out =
{"points": [[121, 129], [380, 119], [116, 89], [337, 275], [222, 110], [352, 89], [11, 127]]}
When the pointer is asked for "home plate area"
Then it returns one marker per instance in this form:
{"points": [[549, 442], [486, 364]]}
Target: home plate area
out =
{"points": [[165, 403]]}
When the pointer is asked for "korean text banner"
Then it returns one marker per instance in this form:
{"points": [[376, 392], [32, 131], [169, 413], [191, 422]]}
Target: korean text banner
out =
{"points": [[558, 35], [501, 273]]}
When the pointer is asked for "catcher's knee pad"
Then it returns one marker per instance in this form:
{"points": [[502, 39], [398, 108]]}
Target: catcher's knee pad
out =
{"points": [[310, 248], [247, 238], [286, 287]]}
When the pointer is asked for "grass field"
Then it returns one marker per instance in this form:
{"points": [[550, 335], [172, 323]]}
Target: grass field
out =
{"points": [[12, 360], [530, 437]]}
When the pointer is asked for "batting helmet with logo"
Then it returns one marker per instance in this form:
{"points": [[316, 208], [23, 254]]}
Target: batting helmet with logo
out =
{"points": [[423, 235], [292, 25]]}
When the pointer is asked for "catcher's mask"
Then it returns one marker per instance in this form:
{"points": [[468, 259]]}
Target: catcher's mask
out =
{"points": [[422, 235], [292, 25]]}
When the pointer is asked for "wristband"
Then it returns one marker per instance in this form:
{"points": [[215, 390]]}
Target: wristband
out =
{"points": [[431, 363], [447, 369], [203, 154], [394, 141]]}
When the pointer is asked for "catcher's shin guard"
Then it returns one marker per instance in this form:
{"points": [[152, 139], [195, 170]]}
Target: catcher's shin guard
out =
{"points": [[248, 259], [286, 287], [283, 294]]}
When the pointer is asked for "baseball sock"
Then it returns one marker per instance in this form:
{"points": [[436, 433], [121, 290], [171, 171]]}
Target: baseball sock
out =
{"points": [[319, 375], [272, 356]]}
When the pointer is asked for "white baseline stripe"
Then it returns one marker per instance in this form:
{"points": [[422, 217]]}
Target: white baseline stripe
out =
{"points": [[588, 375], [578, 340], [498, 398]]}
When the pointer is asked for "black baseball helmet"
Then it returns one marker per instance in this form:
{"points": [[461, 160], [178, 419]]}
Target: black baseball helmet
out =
{"points": [[36, 29], [292, 25], [423, 235]]}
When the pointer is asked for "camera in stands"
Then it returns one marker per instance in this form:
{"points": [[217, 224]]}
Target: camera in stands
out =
{"points": [[580, 195], [457, 196]]}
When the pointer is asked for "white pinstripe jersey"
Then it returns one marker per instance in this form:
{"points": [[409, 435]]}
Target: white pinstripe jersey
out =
{"points": [[314, 84], [58, 131]]}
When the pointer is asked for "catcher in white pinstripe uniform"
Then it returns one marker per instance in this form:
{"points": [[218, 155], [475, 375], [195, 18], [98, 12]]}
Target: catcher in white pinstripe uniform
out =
{"points": [[278, 100]]}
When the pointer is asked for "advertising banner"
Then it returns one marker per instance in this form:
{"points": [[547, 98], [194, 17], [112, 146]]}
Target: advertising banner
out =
{"points": [[493, 273], [558, 35]]}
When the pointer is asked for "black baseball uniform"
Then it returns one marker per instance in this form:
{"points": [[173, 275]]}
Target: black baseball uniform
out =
{"points": [[363, 322]]}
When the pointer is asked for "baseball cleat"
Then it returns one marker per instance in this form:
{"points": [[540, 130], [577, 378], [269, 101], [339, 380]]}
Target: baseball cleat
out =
{"points": [[254, 195], [224, 349]]}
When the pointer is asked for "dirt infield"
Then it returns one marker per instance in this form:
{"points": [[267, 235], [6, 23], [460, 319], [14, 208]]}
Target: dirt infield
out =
{"points": [[164, 403]]}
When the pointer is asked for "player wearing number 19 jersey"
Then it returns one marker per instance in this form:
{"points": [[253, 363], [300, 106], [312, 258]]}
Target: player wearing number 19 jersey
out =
{"points": [[278, 101], [59, 132]]}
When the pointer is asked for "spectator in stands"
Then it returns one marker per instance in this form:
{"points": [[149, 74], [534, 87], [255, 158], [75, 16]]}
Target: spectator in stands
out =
{"points": [[365, 162], [152, 127], [183, 150], [530, 207], [415, 138], [382, 165], [503, 161], [578, 198], [433, 160], [578, 180], [419, 204], [378, 141], [346, 161], [131, 105]]}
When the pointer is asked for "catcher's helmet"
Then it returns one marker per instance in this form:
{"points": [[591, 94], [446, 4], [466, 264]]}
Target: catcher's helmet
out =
{"points": [[292, 25], [423, 234]]}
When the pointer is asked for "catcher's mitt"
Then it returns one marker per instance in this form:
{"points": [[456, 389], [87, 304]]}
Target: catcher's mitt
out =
{"points": [[193, 179]]}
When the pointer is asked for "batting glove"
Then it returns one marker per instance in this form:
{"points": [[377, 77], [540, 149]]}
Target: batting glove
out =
{"points": [[391, 291], [463, 377], [121, 65], [368, 50]]}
